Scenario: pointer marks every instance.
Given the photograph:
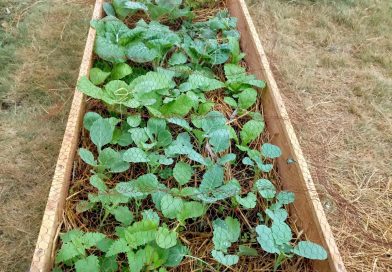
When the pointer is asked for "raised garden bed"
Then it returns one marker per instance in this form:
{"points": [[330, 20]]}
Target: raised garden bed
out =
{"points": [[185, 160]]}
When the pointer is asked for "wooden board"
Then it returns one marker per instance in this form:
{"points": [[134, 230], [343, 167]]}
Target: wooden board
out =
{"points": [[307, 209]]}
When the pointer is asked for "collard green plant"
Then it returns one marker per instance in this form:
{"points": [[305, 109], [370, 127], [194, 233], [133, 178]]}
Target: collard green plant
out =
{"points": [[179, 139]]}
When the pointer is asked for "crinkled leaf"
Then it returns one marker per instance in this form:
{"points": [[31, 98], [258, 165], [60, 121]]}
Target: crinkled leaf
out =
{"points": [[310, 250], [277, 214], [123, 215], [265, 188], [281, 232], [178, 58], [224, 259], [270, 151], [250, 131], [182, 172], [247, 98], [171, 206], [212, 178], [90, 264], [135, 155], [266, 240], [285, 197], [248, 202], [118, 246], [166, 238]]}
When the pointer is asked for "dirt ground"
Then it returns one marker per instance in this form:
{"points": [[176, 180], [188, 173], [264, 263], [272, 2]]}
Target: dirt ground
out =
{"points": [[333, 64]]}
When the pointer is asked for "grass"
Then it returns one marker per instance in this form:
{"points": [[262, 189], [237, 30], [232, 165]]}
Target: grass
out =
{"points": [[333, 64], [41, 44]]}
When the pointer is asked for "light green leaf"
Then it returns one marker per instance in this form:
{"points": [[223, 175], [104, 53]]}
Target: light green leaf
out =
{"points": [[120, 70], [265, 188], [248, 202], [180, 122], [285, 198], [230, 101], [176, 254], [270, 151], [250, 131], [226, 158], [281, 232], [178, 58], [277, 215], [182, 172], [88, 88], [118, 246], [204, 83], [225, 233], [112, 159], [171, 206], [97, 76], [179, 107], [192, 209], [224, 259], [151, 216], [89, 119], [135, 155], [98, 183], [247, 98], [90, 264], [166, 238], [266, 240], [123, 215], [67, 252], [247, 251], [140, 53], [134, 120], [87, 156], [310, 250], [212, 178], [101, 132]]}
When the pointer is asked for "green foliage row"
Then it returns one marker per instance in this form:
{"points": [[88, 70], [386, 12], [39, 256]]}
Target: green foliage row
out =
{"points": [[155, 84]]}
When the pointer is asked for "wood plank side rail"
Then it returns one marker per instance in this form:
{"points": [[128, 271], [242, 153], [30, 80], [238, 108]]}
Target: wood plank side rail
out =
{"points": [[307, 208], [44, 250]]}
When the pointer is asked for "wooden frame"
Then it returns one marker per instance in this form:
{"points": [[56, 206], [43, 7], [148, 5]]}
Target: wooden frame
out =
{"points": [[306, 210]]}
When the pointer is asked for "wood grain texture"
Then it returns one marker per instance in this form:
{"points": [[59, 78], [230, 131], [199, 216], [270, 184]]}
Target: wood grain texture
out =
{"points": [[42, 258], [307, 209]]}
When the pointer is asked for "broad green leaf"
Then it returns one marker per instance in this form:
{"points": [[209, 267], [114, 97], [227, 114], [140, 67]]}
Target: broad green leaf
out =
{"points": [[247, 251], [251, 131], [67, 252], [151, 216], [97, 76], [89, 119], [310, 250], [226, 158], [123, 215], [101, 132], [281, 232], [230, 101], [135, 155], [266, 240], [171, 206], [224, 259], [265, 188], [212, 178], [277, 214], [90, 264], [112, 159], [247, 98], [120, 70], [140, 53], [176, 254], [108, 50], [98, 183], [204, 83], [179, 107], [147, 183], [178, 58], [134, 120], [192, 209], [248, 202], [180, 122], [109, 264], [87, 156], [270, 151], [225, 233], [166, 238], [91, 239], [285, 197], [118, 246], [88, 88], [182, 172]]}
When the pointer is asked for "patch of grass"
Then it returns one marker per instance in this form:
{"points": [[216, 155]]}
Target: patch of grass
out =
{"points": [[41, 43], [332, 61]]}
